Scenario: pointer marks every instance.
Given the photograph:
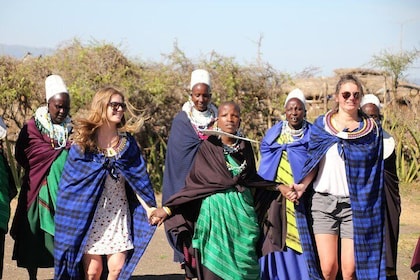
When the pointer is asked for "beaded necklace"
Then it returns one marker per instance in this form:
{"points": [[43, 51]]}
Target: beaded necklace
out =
{"points": [[115, 150], [231, 149], [57, 132], [368, 124], [296, 133], [200, 120], [234, 167]]}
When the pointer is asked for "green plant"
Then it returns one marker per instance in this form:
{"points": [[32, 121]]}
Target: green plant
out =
{"points": [[155, 158], [13, 166], [408, 155]]}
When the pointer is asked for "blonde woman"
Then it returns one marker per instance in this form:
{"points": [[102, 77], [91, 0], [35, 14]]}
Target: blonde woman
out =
{"points": [[104, 196], [345, 166]]}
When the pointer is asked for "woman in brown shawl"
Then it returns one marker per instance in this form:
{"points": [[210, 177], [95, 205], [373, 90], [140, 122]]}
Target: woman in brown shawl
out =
{"points": [[41, 149], [217, 204]]}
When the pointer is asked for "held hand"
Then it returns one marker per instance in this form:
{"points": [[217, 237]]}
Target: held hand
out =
{"points": [[292, 196], [299, 188], [284, 189], [149, 211], [152, 219], [158, 216], [288, 192], [155, 221]]}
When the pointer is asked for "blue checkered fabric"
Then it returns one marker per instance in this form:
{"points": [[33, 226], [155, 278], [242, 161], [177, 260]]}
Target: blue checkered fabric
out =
{"points": [[364, 168], [79, 191]]}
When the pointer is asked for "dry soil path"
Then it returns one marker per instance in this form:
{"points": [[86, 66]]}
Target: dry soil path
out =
{"points": [[156, 264]]}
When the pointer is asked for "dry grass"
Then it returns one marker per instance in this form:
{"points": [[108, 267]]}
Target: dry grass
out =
{"points": [[409, 229]]}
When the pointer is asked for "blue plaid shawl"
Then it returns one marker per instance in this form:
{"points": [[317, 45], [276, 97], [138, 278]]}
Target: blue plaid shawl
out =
{"points": [[364, 168], [79, 191]]}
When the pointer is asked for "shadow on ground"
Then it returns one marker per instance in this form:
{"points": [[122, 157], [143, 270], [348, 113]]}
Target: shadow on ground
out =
{"points": [[159, 277]]}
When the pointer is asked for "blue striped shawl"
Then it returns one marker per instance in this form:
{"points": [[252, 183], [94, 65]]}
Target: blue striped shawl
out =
{"points": [[364, 168], [79, 191]]}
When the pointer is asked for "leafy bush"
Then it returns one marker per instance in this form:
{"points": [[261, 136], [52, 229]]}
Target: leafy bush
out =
{"points": [[158, 90]]}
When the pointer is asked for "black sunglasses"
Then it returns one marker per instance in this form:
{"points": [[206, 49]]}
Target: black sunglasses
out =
{"points": [[116, 105], [346, 94]]}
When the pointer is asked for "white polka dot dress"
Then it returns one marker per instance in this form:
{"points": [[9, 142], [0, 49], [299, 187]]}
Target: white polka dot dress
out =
{"points": [[111, 231]]}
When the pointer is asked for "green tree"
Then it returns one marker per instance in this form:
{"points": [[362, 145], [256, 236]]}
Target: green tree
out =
{"points": [[395, 65]]}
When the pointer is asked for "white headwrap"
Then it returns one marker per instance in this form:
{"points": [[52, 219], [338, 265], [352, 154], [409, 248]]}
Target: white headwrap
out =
{"points": [[54, 84], [389, 142], [200, 76], [296, 93], [3, 129], [370, 98]]}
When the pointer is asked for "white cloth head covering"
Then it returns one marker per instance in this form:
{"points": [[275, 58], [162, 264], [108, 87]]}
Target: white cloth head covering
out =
{"points": [[54, 84], [296, 93], [388, 140], [200, 76], [3, 129], [370, 98]]}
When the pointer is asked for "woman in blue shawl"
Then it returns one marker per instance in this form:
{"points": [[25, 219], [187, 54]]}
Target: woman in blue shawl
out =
{"points": [[104, 196], [283, 155], [371, 106], [184, 140], [346, 166]]}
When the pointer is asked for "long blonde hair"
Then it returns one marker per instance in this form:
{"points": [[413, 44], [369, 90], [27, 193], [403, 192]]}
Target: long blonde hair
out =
{"points": [[85, 129]]}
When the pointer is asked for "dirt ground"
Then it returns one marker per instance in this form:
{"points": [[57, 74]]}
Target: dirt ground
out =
{"points": [[157, 264]]}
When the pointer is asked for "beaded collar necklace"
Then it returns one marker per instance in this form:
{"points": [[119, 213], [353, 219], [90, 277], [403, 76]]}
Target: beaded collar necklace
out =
{"points": [[198, 119], [57, 132], [115, 150], [368, 124], [231, 149], [296, 133]]}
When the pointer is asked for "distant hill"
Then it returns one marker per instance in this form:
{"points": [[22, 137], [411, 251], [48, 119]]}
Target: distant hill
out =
{"points": [[18, 51]]}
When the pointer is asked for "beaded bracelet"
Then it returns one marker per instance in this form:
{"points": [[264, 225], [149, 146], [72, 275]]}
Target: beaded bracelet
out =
{"points": [[167, 210]]}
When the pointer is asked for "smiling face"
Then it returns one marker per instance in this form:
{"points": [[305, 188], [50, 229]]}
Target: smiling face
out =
{"points": [[201, 96], [295, 113], [115, 109], [59, 107], [349, 97]]}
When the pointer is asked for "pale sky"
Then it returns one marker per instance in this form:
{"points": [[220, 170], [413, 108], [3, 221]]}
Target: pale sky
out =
{"points": [[295, 34]]}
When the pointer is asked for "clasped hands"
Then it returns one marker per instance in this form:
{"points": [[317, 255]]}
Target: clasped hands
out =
{"points": [[157, 216], [293, 192]]}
